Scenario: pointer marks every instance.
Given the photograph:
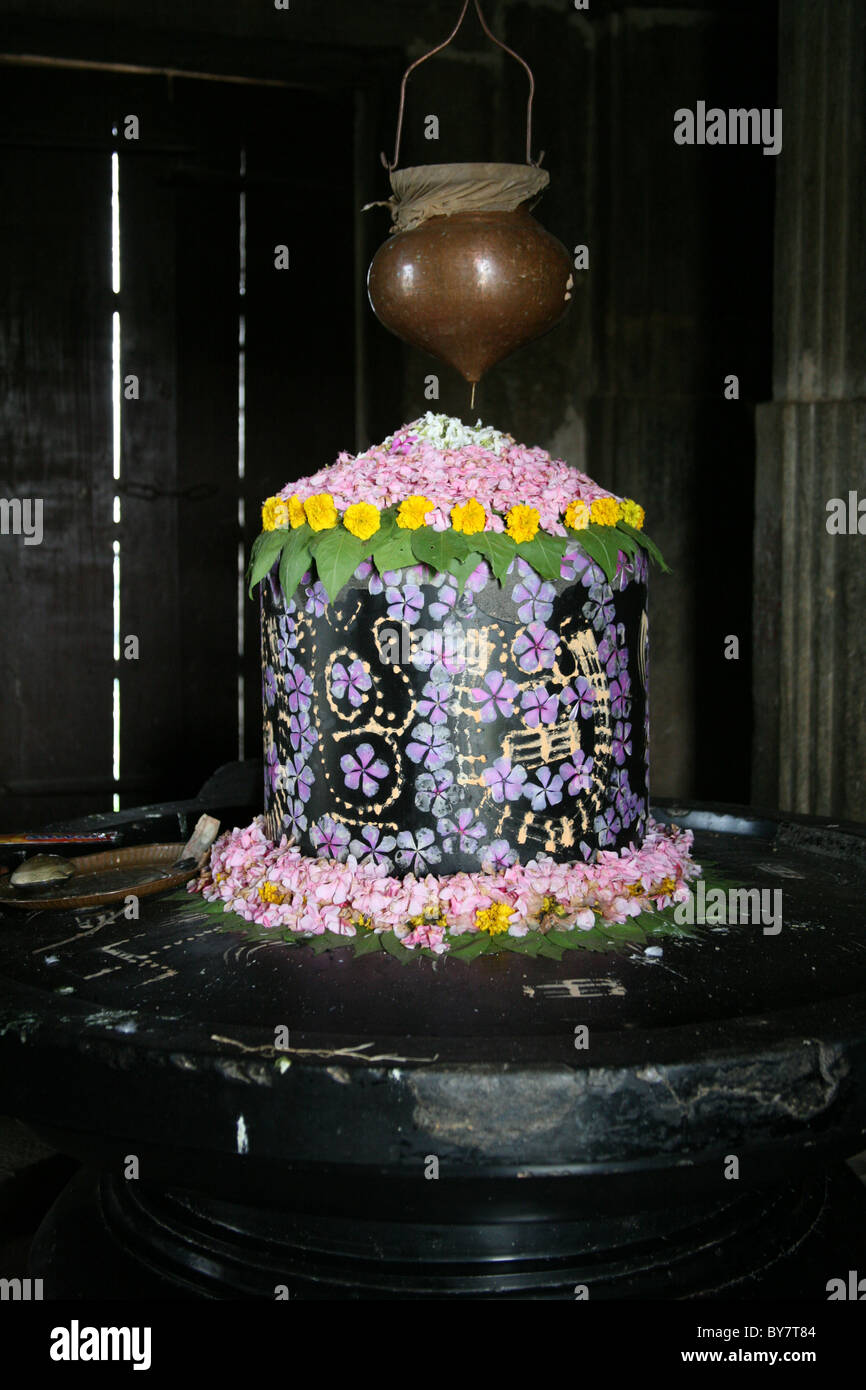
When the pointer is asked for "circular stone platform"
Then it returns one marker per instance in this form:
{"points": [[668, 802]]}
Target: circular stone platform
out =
{"points": [[311, 1165]]}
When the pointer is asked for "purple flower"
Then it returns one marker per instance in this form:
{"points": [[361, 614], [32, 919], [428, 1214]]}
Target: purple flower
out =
{"points": [[363, 769], [303, 735], [621, 741], [435, 791], [352, 682], [444, 604], [434, 704], [378, 582], [581, 697], [269, 686], [547, 791], [287, 639], [539, 706], [466, 830], [576, 564], [478, 578], [430, 746], [330, 838], [535, 597], [497, 698], [498, 856], [299, 688], [441, 652], [535, 647], [417, 850], [272, 769], [607, 647], [620, 696], [505, 782], [406, 605], [317, 599], [373, 847], [599, 607], [625, 803], [576, 774], [299, 777], [607, 827], [295, 820]]}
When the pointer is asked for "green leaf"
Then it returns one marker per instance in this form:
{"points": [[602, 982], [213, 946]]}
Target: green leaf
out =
{"points": [[590, 544], [625, 931], [608, 538], [365, 943], [461, 569], [316, 537], [475, 945], [647, 543], [391, 944], [544, 553], [549, 951], [627, 543], [338, 556], [439, 548], [498, 549], [387, 527], [528, 945], [394, 552], [593, 940], [263, 556], [565, 939], [294, 560]]}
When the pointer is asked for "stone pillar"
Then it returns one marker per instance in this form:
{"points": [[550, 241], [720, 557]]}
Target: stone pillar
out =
{"points": [[809, 748]]}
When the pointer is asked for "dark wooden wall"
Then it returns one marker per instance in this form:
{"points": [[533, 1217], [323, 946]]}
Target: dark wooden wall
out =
{"points": [[179, 491]]}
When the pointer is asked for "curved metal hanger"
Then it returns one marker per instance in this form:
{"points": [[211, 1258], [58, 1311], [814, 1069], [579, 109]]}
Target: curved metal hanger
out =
{"points": [[392, 164]]}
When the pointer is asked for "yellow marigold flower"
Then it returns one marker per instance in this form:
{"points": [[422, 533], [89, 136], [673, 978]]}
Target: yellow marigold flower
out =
{"points": [[297, 515], [362, 520], [321, 512], [412, 511], [633, 514], [577, 515], [468, 517], [275, 514], [521, 523], [270, 893], [493, 919], [606, 511]]}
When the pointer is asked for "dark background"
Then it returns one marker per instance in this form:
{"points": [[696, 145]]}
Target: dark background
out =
{"points": [[679, 294]]}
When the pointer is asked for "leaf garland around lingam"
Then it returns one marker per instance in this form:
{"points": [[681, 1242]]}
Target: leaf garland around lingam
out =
{"points": [[648, 928], [336, 553]]}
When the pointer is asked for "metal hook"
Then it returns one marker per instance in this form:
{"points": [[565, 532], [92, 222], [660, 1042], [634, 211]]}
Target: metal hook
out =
{"points": [[390, 165]]}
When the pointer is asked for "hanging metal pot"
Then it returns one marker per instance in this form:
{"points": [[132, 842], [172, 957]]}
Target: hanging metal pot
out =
{"points": [[467, 273]]}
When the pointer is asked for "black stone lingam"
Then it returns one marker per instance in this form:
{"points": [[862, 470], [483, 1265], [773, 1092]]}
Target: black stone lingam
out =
{"points": [[434, 731]]}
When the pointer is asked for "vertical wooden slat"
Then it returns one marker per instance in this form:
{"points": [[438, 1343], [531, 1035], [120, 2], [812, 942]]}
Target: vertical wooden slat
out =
{"points": [[55, 441], [148, 535]]}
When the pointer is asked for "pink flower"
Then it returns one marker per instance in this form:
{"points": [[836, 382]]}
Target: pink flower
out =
{"points": [[327, 895]]}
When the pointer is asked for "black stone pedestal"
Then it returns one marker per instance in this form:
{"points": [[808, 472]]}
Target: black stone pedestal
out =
{"points": [[108, 1239], [694, 1149]]}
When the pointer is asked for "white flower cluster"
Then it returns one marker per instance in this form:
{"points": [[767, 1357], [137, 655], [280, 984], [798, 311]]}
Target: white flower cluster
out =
{"points": [[447, 432]]}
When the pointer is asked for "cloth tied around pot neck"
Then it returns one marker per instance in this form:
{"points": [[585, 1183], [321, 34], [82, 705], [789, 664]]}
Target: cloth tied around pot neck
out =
{"points": [[438, 190]]}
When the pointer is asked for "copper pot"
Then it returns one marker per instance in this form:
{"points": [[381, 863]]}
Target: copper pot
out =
{"points": [[471, 287]]}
